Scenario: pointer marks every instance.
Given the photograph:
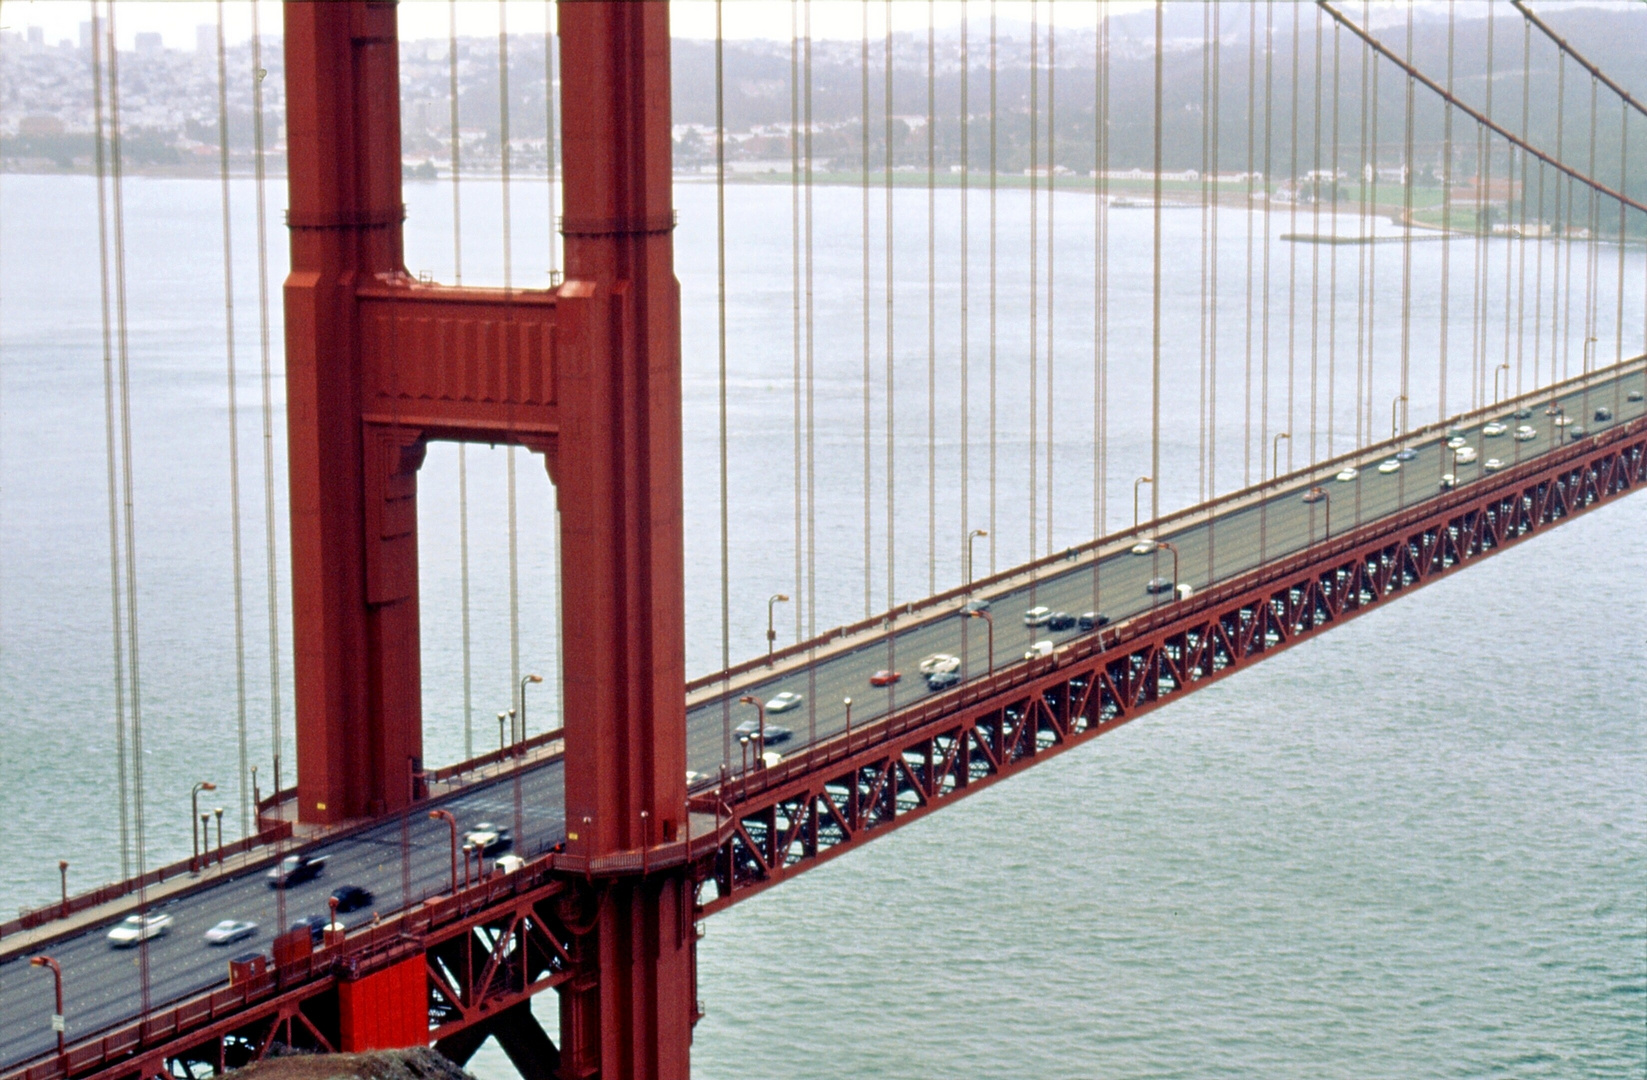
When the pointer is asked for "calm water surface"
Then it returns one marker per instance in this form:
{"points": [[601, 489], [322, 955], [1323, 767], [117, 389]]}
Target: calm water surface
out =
{"points": [[1412, 848]]}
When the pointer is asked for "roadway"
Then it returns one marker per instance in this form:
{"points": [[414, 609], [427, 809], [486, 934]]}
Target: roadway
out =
{"points": [[401, 863]]}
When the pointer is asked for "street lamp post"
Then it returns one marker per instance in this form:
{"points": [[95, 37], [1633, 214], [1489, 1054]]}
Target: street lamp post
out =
{"points": [[205, 839], [1326, 497], [760, 737], [217, 811], [1505, 368], [743, 743], [503, 743], [194, 812], [970, 537], [57, 1023], [1586, 353], [848, 703], [514, 747], [1399, 399], [989, 622], [446, 815], [1275, 452], [1174, 549], [63, 874], [771, 628], [524, 680], [1135, 483]]}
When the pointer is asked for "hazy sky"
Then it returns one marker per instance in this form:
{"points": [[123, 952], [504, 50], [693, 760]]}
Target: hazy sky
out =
{"points": [[176, 19]]}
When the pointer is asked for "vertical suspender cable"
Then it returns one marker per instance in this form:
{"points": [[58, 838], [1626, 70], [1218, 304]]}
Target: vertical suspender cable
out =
{"points": [[720, 324], [1369, 176], [931, 299], [1521, 248], [462, 450], [1252, 143], [811, 329], [1100, 278], [1206, 212], [244, 763], [551, 121], [130, 510], [869, 604], [508, 286], [1408, 176], [116, 602], [1593, 271], [891, 413], [1446, 221], [799, 591], [266, 376], [1292, 249], [1332, 260], [1034, 257], [966, 278], [1051, 239], [1268, 245], [1479, 315], [994, 130], [1315, 254], [1215, 125], [1155, 263]]}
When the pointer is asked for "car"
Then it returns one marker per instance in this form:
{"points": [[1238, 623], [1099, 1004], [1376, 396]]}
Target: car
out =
{"points": [[973, 606], [1524, 413], [1552, 409], [1159, 585], [1492, 464], [942, 680], [1061, 620], [1603, 414], [1456, 441], [1037, 616], [938, 662], [1633, 395], [229, 931], [1456, 431], [1346, 475], [295, 870], [1526, 433], [775, 733], [1495, 429], [1563, 420], [784, 702], [135, 928], [1145, 547], [485, 838], [1464, 455], [314, 924], [1406, 453], [1577, 432], [1314, 495], [353, 897], [885, 677], [1448, 481], [507, 864], [1185, 590], [1038, 650], [694, 777], [1092, 620], [1389, 466]]}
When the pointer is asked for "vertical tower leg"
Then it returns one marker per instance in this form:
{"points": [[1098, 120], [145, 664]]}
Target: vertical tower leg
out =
{"points": [[619, 471]]}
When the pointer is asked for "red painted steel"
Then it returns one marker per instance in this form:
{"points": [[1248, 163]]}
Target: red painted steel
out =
{"points": [[388, 1008], [379, 364]]}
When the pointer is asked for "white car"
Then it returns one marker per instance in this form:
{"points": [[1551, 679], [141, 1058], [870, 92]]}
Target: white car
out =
{"points": [[1145, 547], [785, 701], [1456, 441], [1492, 464], [1389, 466], [229, 931], [1563, 420], [938, 663], [1526, 433], [1448, 481], [1348, 474], [1038, 616], [136, 928], [1464, 455], [1495, 429], [1038, 650]]}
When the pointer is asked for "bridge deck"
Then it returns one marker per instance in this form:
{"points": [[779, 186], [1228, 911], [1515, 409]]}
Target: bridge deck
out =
{"points": [[404, 861]]}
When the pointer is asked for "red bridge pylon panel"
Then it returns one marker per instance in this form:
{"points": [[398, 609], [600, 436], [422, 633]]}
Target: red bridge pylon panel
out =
{"points": [[378, 364]]}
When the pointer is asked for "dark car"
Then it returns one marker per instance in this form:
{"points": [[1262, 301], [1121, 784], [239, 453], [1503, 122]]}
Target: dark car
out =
{"points": [[975, 605], [1576, 432], [1633, 395], [1603, 414], [295, 870], [1524, 413], [1157, 586], [775, 733], [1092, 620], [942, 680], [314, 924], [351, 897], [1406, 453], [1061, 620]]}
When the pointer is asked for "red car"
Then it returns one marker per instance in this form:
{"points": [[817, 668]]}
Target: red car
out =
{"points": [[885, 678]]}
